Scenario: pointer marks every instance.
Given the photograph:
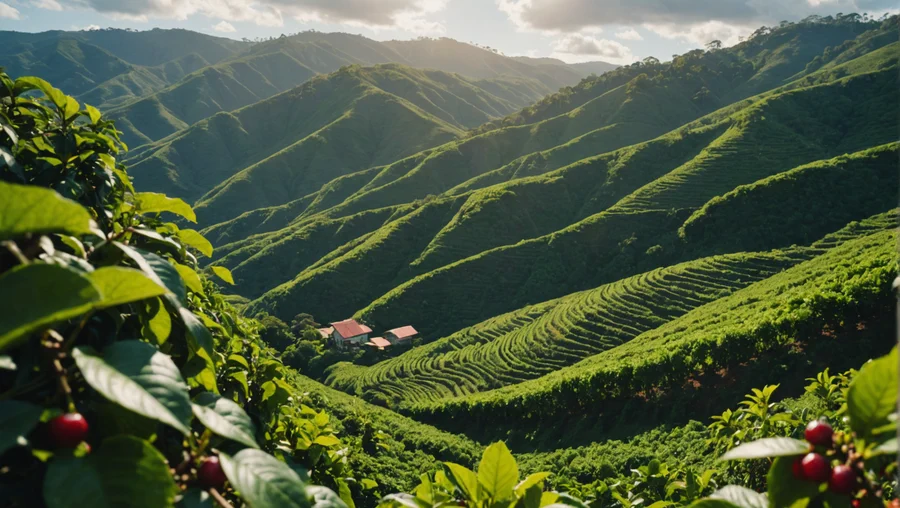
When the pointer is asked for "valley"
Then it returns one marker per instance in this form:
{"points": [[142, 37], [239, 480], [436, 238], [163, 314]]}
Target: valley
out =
{"points": [[597, 260]]}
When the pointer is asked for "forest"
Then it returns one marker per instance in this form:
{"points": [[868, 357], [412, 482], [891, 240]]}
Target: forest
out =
{"points": [[669, 283]]}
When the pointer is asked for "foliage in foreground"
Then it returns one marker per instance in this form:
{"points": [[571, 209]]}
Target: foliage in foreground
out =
{"points": [[853, 463], [125, 378]]}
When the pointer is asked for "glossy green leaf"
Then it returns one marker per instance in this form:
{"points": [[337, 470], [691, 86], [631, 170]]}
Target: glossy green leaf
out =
{"points": [[119, 285], [889, 447], [344, 492], [26, 83], [160, 271], [224, 274], [225, 418], [35, 210], [158, 326], [530, 481], [327, 441], [263, 481], [71, 108], [872, 396], [193, 239], [123, 471], [8, 160], [464, 479], [498, 472], [768, 447], [733, 496], [16, 421], [323, 497], [784, 489], [190, 278], [138, 377], [38, 295], [153, 202], [201, 341], [93, 113]]}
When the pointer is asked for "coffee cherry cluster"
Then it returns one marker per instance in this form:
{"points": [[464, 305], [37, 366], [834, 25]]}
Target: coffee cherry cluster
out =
{"points": [[844, 478]]}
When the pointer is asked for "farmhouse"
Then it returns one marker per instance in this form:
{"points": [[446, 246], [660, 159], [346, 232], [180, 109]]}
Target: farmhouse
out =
{"points": [[402, 335], [326, 332], [349, 333], [378, 342]]}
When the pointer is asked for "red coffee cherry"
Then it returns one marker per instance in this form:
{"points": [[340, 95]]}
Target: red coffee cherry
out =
{"points": [[797, 468], [68, 430], [843, 480], [816, 468], [210, 474], [819, 433]]}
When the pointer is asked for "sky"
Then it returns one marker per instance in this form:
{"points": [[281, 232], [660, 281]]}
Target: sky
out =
{"points": [[615, 31]]}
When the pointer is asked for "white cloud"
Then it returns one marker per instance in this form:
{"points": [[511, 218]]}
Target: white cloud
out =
{"points": [[50, 5], [8, 11], [410, 15], [583, 48], [575, 15], [224, 27], [87, 28], [701, 33], [629, 35]]}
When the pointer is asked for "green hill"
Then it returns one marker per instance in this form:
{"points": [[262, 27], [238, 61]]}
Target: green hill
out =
{"points": [[384, 112], [563, 215], [851, 284], [158, 82]]}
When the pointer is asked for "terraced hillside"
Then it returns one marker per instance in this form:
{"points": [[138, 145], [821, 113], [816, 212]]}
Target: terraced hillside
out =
{"points": [[839, 290], [494, 157], [543, 338], [477, 261]]}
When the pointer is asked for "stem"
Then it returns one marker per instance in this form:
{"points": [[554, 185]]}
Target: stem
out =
{"points": [[68, 343], [221, 501], [14, 249], [53, 347]]}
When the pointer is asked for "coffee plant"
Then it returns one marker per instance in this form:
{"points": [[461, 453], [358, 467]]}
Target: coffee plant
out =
{"points": [[850, 460], [125, 378]]}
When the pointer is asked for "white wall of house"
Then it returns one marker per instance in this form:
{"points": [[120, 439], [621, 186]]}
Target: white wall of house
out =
{"points": [[340, 341]]}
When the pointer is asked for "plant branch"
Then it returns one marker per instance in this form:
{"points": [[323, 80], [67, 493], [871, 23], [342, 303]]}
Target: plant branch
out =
{"points": [[221, 501]]}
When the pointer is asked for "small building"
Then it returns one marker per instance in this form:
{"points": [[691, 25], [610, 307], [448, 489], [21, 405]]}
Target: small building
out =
{"points": [[378, 342], [326, 332], [349, 333], [403, 335]]}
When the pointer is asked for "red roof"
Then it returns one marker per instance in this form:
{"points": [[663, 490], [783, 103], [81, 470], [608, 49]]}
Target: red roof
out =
{"points": [[404, 332], [326, 332], [380, 342], [350, 328]]}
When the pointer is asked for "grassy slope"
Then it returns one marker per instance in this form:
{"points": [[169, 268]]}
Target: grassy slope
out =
{"points": [[537, 340], [428, 171], [720, 70], [847, 283], [784, 130], [70, 64], [384, 124], [275, 66]]}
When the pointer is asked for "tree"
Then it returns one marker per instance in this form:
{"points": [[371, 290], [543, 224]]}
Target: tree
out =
{"points": [[301, 322], [650, 60], [714, 45], [276, 332], [298, 355]]}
